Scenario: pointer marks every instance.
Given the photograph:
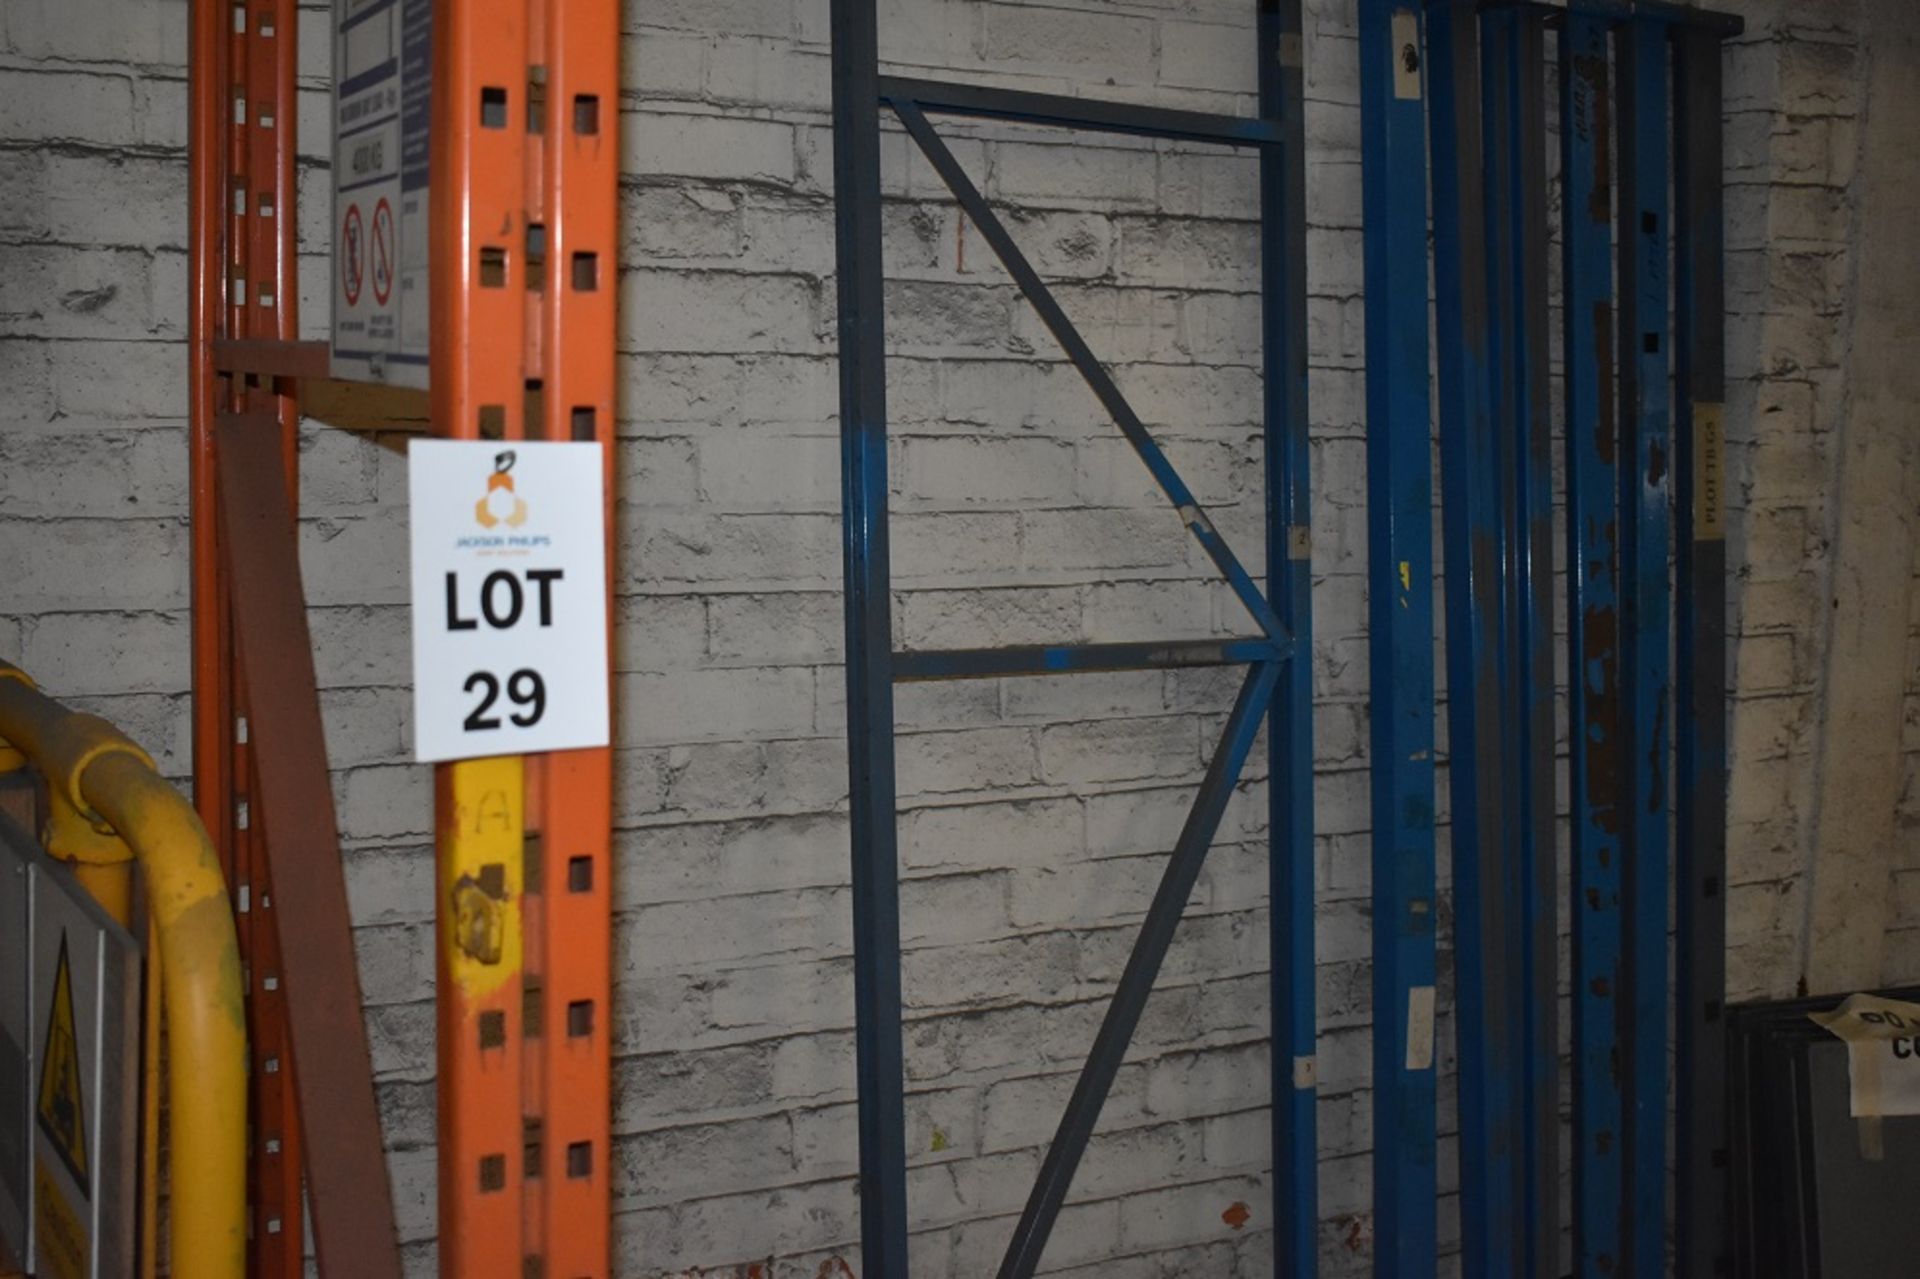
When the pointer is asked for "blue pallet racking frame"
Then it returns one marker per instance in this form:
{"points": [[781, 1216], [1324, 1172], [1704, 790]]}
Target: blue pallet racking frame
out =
{"points": [[1278, 686]]}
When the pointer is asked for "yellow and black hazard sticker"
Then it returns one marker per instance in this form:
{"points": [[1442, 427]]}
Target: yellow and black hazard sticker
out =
{"points": [[60, 1239], [62, 1109]]}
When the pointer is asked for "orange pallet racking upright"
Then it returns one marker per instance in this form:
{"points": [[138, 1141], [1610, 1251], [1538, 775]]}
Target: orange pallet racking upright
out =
{"points": [[525, 168]]}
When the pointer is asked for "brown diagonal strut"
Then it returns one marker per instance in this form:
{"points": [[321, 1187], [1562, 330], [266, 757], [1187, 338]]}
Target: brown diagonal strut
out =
{"points": [[348, 1191]]}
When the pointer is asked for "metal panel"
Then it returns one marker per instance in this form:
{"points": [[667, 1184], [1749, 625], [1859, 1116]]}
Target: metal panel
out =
{"points": [[82, 1070], [1816, 1193], [1488, 1017], [1593, 639], [1400, 625], [1645, 545], [1700, 790], [1863, 1195]]}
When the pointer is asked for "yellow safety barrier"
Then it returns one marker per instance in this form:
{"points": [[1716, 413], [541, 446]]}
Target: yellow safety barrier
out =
{"points": [[108, 807]]}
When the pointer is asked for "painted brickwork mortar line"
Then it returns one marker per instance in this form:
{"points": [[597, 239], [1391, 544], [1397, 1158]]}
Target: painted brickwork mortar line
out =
{"points": [[1034, 811]]}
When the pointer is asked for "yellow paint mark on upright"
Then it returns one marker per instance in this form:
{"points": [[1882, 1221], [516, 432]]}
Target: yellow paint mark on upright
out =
{"points": [[62, 1108], [482, 869]]}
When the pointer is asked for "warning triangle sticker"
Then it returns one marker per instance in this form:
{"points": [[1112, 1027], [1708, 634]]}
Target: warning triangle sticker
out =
{"points": [[62, 1107]]}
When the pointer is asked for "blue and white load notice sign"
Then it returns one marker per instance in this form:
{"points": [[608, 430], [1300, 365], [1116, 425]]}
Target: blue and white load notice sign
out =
{"points": [[382, 118]]}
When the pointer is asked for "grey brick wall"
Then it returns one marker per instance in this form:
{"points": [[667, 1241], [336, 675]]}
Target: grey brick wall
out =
{"points": [[1033, 811], [1796, 103]]}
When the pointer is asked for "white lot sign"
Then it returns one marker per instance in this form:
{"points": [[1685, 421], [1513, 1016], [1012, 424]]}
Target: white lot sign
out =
{"points": [[509, 598]]}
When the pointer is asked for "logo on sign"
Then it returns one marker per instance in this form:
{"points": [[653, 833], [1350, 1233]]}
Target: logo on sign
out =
{"points": [[352, 256], [501, 505], [382, 251]]}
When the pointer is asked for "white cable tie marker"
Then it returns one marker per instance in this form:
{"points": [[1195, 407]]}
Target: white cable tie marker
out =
{"points": [[1196, 519], [1406, 55], [1420, 1028]]}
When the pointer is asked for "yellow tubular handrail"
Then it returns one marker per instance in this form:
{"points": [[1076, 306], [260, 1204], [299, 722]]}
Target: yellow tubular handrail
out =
{"points": [[92, 770]]}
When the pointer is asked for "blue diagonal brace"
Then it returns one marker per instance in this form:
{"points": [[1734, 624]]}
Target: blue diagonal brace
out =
{"points": [[1136, 983], [1083, 358]]}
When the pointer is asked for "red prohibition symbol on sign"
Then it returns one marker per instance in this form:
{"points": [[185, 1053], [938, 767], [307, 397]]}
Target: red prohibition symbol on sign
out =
{"points": [[382, 253], [352, 256]]}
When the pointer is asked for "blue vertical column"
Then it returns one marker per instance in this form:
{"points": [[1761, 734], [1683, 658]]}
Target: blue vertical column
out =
{"points": [[1400, 622], [1514, 47], [879, 1069], [1500, 195], [1514, 141], [1283, 267], [1646, 542], [1700, 643], [1488, 1015], [1593, 638]]}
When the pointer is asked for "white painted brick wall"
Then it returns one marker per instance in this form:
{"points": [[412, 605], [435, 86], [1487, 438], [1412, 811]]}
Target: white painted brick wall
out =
{"points": [[1034, 812]]}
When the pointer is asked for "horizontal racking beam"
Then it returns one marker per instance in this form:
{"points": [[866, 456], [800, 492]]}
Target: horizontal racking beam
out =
{"points": [[1061, 659], [943, 97]]}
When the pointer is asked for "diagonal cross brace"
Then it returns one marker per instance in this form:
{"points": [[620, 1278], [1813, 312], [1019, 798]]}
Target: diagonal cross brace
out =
{"points": [[1083, 358], [1136, 982], [347, 1180]]}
